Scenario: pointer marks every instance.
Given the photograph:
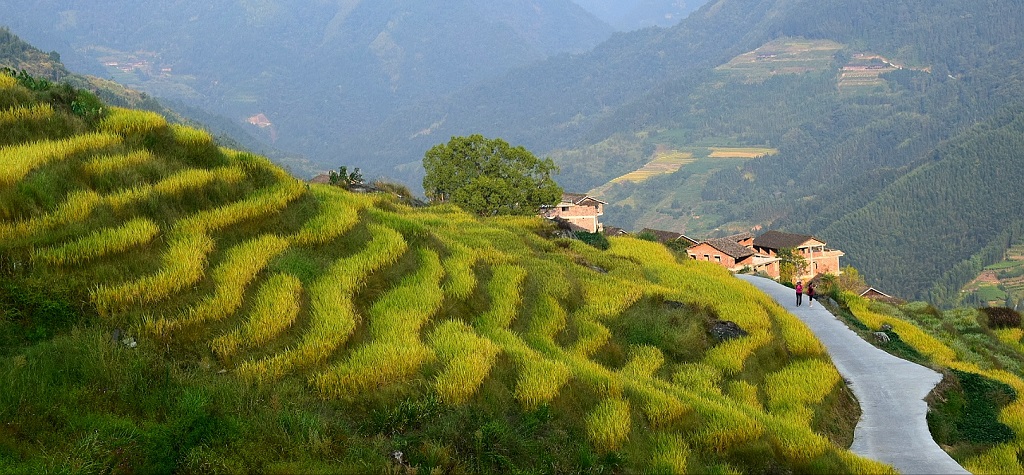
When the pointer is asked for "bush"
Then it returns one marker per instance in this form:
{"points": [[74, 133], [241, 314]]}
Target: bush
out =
{"points": [[1002, 317], [597, 240]]}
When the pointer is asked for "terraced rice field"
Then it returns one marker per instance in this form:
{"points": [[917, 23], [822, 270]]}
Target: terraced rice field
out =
{"points": [[782, 56], [221, 255]]}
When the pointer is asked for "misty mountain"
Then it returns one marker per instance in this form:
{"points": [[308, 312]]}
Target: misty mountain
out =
{"points": [[308, 74], [636, 14]]}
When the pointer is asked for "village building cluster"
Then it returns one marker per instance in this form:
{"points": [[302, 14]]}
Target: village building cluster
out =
{"points": [[758, 254]]}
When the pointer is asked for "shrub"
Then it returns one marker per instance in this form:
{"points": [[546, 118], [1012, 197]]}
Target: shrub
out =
{"points": [[597, 240], [1002, 317]]}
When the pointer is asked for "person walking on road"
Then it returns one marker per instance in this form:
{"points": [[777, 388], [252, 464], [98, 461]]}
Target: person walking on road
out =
{"points": [[810, 294], [799, 292]]}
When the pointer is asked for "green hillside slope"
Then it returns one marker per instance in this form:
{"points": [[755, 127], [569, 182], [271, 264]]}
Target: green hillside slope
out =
{"points": [[169, 305]]}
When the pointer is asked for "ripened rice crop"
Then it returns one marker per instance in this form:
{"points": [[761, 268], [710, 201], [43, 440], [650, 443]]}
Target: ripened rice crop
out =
{"points": [[126, 122], [21, 159], [338, 213], [539, 380], [275, 308], [104, 164], [467, 359], [76, 207], [33, 113], [100, 243], [240, 267], [792, 390], [332, 315], [395, 351], [669, 454], [183, 265], [608, 424]]}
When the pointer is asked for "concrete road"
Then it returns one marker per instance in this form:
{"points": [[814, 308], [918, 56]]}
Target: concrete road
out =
{"points": [[891, 391]]}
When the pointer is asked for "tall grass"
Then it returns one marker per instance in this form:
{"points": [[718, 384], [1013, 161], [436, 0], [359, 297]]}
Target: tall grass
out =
{"points": [[100, 243], [275, 308], [332, 315], [21, 159]]}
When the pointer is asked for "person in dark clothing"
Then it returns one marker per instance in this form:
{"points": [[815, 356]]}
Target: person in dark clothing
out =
{"points": [[810, 294], [799, 292]]}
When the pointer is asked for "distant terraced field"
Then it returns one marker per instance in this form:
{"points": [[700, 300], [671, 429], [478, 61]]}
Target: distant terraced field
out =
{"points": [[667, 161]]}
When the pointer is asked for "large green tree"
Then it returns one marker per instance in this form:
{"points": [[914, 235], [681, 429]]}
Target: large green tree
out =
{"points": [[489, 177]]}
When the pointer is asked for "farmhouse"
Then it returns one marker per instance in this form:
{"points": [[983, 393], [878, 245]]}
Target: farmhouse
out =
{"points": [[581, 211], [761, 253], [820, 259], [724, 252]]}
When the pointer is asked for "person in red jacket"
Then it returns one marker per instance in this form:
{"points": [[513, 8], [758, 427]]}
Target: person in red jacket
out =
{"points": [[799, 292], [810, 294]]}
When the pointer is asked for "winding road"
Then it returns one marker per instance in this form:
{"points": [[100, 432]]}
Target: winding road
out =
{"points": [[891, 391]]}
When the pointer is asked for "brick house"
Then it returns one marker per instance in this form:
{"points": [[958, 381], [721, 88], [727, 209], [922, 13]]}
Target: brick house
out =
{"points": [[724, 252], [581, 211], [820, 259]]}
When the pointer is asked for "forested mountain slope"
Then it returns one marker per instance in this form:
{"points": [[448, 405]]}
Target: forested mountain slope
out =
{"points": [[169, 305], [635, 14]]}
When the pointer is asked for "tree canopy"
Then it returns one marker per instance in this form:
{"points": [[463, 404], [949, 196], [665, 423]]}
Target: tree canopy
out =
{"points": [[489, 176]]}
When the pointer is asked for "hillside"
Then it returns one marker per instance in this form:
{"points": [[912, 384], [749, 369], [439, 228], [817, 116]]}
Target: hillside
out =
{"points": [[170, 305]]}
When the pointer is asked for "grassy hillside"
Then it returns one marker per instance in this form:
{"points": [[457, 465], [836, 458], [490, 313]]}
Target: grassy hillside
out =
{"points": [[170, 305]]}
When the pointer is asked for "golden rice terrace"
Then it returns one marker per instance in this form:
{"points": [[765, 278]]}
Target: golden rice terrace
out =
{"points": [[289, 327]]}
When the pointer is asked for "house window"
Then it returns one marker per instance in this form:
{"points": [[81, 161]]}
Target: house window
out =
{"points": [[707, 257], [718, 259], [565, 208]]}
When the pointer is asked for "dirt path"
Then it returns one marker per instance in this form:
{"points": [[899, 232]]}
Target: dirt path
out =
{"points": [[891, 391]]}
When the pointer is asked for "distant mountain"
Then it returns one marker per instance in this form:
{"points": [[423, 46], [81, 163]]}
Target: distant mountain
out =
{"points": [[318, 72], [636, 14]]}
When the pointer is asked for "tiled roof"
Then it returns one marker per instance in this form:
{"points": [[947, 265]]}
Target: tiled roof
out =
{"points": [[739, 237], [730, 248], [779, 240], [577, 198], [613, 231], [666, 236]]}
